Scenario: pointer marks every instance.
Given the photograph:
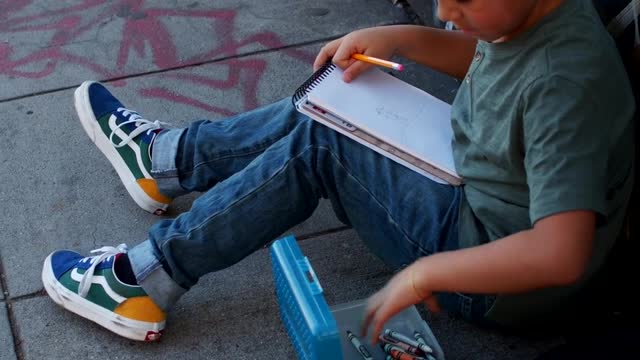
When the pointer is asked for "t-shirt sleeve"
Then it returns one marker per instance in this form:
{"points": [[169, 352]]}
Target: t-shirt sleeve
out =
{"points": [[565, 143]]}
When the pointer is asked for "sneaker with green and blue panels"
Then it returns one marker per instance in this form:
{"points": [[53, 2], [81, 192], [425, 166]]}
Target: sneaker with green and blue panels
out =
{"points": [[90, 287], [126, 139]]}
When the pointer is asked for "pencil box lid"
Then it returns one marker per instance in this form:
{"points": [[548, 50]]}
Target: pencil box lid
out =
{"points": [[303, 309]]}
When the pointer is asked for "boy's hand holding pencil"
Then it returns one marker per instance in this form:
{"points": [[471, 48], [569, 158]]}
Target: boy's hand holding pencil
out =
{"points": [[358, 51]]}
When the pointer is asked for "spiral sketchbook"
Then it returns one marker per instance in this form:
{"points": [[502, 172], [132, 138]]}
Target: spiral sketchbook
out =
{"points": [[386, 114]]}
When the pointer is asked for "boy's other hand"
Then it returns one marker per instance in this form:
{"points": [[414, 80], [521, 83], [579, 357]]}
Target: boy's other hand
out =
{"points": [[406, 288], [377, 42]]}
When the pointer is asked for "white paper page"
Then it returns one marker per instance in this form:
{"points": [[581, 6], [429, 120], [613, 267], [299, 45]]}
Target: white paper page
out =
{"points": [[322, 118], [395, 111]]}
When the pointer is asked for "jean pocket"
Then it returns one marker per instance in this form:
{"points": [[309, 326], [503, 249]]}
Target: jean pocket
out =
{"points": [[470, 307]]}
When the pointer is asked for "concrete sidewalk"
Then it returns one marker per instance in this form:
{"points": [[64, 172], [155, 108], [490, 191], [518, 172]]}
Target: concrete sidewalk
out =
{"points": [[176, 61]]}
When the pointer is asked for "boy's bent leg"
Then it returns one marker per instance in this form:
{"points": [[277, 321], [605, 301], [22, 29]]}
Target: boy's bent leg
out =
{"points": [[399, 213], [146, 157], [207, 152]]}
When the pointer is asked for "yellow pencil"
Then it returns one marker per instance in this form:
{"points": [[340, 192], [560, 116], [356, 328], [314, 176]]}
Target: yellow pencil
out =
{"points": [[377, 61]]}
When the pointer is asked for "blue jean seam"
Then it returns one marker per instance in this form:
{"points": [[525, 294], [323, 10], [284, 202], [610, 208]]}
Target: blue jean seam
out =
{"points": [[160, 174], [466, 305], [230, 156], [385, 209], [259, 149], [172, 167], [148, 269]]}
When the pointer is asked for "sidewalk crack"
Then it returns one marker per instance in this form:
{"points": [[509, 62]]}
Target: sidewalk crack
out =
{"points": [[181, 66], [413, 16], [13, 324]]}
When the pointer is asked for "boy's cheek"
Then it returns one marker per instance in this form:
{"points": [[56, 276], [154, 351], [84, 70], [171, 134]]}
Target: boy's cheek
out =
{"points": [[496, 18]]}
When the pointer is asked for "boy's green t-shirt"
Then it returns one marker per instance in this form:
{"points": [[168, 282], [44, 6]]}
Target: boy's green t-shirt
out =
{"points": [[543, 125]]}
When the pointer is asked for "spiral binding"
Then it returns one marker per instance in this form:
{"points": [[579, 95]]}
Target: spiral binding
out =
{"points": [[313, 81]]}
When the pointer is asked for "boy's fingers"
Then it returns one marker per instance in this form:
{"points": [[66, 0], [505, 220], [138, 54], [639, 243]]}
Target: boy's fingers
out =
{"points": [[372, 306], [342, 57], [382, 314], [325, 54], [364, 326], [356, 68], [352, 68], [321, 58]]}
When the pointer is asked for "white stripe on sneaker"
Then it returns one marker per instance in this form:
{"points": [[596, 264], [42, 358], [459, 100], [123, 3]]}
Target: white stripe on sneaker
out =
{"points": [[99, 280], [136, 149]]}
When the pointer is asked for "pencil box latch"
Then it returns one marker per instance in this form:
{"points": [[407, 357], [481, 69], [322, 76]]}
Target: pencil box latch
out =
{"points": [[310, 276]]}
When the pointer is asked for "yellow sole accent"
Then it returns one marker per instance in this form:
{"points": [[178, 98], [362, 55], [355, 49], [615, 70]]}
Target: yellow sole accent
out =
{"points": [[140, 308], [150, 188]]}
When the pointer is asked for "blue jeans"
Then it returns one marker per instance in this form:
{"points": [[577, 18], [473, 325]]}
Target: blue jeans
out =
{"points": [[263, 172]]}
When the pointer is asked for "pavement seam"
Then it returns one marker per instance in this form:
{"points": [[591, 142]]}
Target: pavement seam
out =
{"points": [[304, 237], [322, 233], [309, 236], [28, 296], [409, 11], [175, 68], [13, 324]]}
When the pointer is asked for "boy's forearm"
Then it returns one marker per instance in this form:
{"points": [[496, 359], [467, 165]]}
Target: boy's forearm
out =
{"points": [[494, 268], [521, 262], [450, 52]]}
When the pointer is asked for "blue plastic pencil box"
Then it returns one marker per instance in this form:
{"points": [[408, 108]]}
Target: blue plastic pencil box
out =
{"points": [[317, 331], [303, 309]]}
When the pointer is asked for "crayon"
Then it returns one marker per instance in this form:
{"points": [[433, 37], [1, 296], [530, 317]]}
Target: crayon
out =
{"points": [[359, 347], [397, 353], [405, 347], [419, 338], [405, 339]]}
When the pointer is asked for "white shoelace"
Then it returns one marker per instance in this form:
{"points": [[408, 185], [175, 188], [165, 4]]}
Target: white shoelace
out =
{"points": [[106, 253], [141, 124]]}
